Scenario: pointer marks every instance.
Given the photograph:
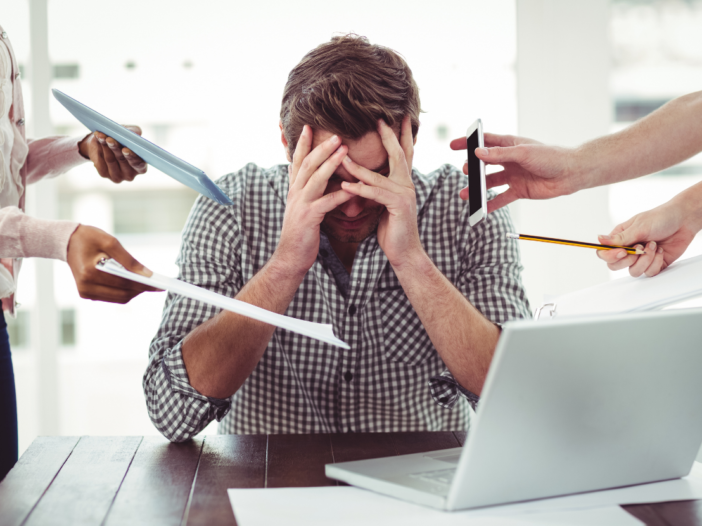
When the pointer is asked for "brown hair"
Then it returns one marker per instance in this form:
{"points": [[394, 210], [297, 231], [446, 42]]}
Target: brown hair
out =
{"points": [[344, 86]]}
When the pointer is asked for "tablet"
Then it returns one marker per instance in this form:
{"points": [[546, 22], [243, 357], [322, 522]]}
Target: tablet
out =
{"points": [[156, 156]]}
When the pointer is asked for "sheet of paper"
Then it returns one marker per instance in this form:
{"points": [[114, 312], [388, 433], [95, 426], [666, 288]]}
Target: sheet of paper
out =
{"points": [[312, 506], [318, 331], [345, 505], [679, 282]]}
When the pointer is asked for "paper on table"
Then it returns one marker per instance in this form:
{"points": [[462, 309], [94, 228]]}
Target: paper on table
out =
{"points": [[344, 505], [318, 331], [679, 282], [313, 506]]}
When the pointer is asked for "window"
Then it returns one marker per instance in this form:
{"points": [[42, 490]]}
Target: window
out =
{"points": [[148, 212], [18, 329], [66, 71], [68, 327]]}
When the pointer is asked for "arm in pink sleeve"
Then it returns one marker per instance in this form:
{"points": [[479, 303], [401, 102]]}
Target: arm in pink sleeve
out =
{"points": [[51, 156], [25, 236]]}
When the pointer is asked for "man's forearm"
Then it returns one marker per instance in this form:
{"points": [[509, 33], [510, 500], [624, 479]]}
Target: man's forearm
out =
{"points": [[662, 139], [464, 338], [220, 354]]}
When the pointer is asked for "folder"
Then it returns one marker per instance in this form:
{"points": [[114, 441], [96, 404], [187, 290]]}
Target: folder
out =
{"points": [[156, 156], [318, 331], [681, 281]]}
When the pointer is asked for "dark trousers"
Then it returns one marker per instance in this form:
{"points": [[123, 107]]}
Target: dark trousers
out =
{"points": [[8, 404]]}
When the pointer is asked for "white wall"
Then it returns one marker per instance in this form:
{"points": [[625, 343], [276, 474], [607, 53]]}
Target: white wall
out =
{"points": [[563, 98]]}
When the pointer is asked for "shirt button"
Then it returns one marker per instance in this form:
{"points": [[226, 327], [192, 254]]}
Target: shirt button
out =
{"points": [[352, 310], [348, 376], [20, 122]]}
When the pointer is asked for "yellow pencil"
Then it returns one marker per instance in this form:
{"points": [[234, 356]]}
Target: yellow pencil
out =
{"points": [[630, 250]]}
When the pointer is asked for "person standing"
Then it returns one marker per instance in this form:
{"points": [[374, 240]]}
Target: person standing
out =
{"points": [[24, 162]]}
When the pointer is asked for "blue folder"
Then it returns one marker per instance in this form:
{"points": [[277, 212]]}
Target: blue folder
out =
{"points": [[154, 155]]}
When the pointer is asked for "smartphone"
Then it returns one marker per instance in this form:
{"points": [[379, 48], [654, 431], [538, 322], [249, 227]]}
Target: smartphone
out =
{"points": [[477, 202]]}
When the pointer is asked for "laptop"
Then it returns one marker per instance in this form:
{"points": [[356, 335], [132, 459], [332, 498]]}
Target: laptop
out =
{"points": [[569, 406]]}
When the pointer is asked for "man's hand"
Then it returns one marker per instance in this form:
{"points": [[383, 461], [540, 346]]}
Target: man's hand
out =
{"points": [[86, 247], [668, 225], [531, 169], [111, 160], [307, 204], [398, 234]]}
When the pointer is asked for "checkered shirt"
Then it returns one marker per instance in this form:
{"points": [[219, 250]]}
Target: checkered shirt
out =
{"points": [[391, 379]]}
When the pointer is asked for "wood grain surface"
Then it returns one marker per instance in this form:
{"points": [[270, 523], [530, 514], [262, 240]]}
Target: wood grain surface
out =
{"points": [[147, 480]]}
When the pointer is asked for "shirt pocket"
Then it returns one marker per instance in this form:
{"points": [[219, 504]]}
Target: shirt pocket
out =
{"points": [[405, 339]]}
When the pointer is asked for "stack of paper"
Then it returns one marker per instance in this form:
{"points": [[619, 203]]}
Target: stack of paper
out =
{"points": [[340, 505], [679, 282]]}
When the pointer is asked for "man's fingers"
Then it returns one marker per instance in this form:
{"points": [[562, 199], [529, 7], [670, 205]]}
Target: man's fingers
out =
{"points": [[126, 172], [374, 193], [621, 235], [330, 201], [459, 144], [317, 183], [500, 178], [137, 163], [368, 177], [304, 145], [315, 159], [617, 259], [644, 261], [500, 155], [407, 140], [500, 200], [494, 139], [396, 155], [133, 128], [657, 265], [116, 251]]}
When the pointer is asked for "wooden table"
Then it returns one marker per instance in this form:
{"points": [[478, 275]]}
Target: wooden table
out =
{"points": [[147, 480]]}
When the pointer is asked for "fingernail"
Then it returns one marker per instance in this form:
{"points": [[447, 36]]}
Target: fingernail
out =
{"points": [[482, 151], [660, 250], [101, 140], [126, 154], [653, 245], [334, 138], [604, 237], [347, 159], [621, 254]]}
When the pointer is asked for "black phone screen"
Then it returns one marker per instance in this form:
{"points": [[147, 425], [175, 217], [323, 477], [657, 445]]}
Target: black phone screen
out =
{"points": [[475, 199]]}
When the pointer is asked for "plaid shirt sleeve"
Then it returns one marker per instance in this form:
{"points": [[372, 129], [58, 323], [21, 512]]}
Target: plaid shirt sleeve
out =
{"points": [[490, 278], [208, 258]]}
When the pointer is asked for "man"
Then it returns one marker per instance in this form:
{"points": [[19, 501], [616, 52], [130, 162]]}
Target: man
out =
{"points": [[666, 137], [348, 235]]}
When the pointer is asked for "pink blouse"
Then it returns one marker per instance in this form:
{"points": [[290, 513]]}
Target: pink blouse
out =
{"points": [[30, 161]]}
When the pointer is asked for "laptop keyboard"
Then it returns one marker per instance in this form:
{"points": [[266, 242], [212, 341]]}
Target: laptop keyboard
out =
{"points": [[441, 476]]}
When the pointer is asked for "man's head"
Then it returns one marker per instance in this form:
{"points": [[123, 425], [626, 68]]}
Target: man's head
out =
{"points": [[343, 87]]}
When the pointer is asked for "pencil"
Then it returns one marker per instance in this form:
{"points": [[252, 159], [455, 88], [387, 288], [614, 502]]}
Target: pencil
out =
{"points": [[630, 250]]}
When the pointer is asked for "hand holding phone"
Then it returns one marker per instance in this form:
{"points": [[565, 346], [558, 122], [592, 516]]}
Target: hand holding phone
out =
{"points": [[477, 201]]}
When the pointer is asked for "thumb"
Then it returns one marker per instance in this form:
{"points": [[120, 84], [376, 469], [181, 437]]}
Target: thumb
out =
{"points": [[625, 234], [134, 128], [499, 154], [116, 251]]}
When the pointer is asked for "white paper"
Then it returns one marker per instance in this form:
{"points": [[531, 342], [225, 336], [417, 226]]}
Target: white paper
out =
{"points": [[345, 505], [348, 505], [318, 331], [679, 282]]}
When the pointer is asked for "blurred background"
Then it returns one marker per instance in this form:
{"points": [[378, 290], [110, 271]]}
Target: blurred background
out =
{"points": [[205, 83]]}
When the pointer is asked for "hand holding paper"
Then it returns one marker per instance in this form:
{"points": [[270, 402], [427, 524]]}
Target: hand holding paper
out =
{"points": [[317, 331]]}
